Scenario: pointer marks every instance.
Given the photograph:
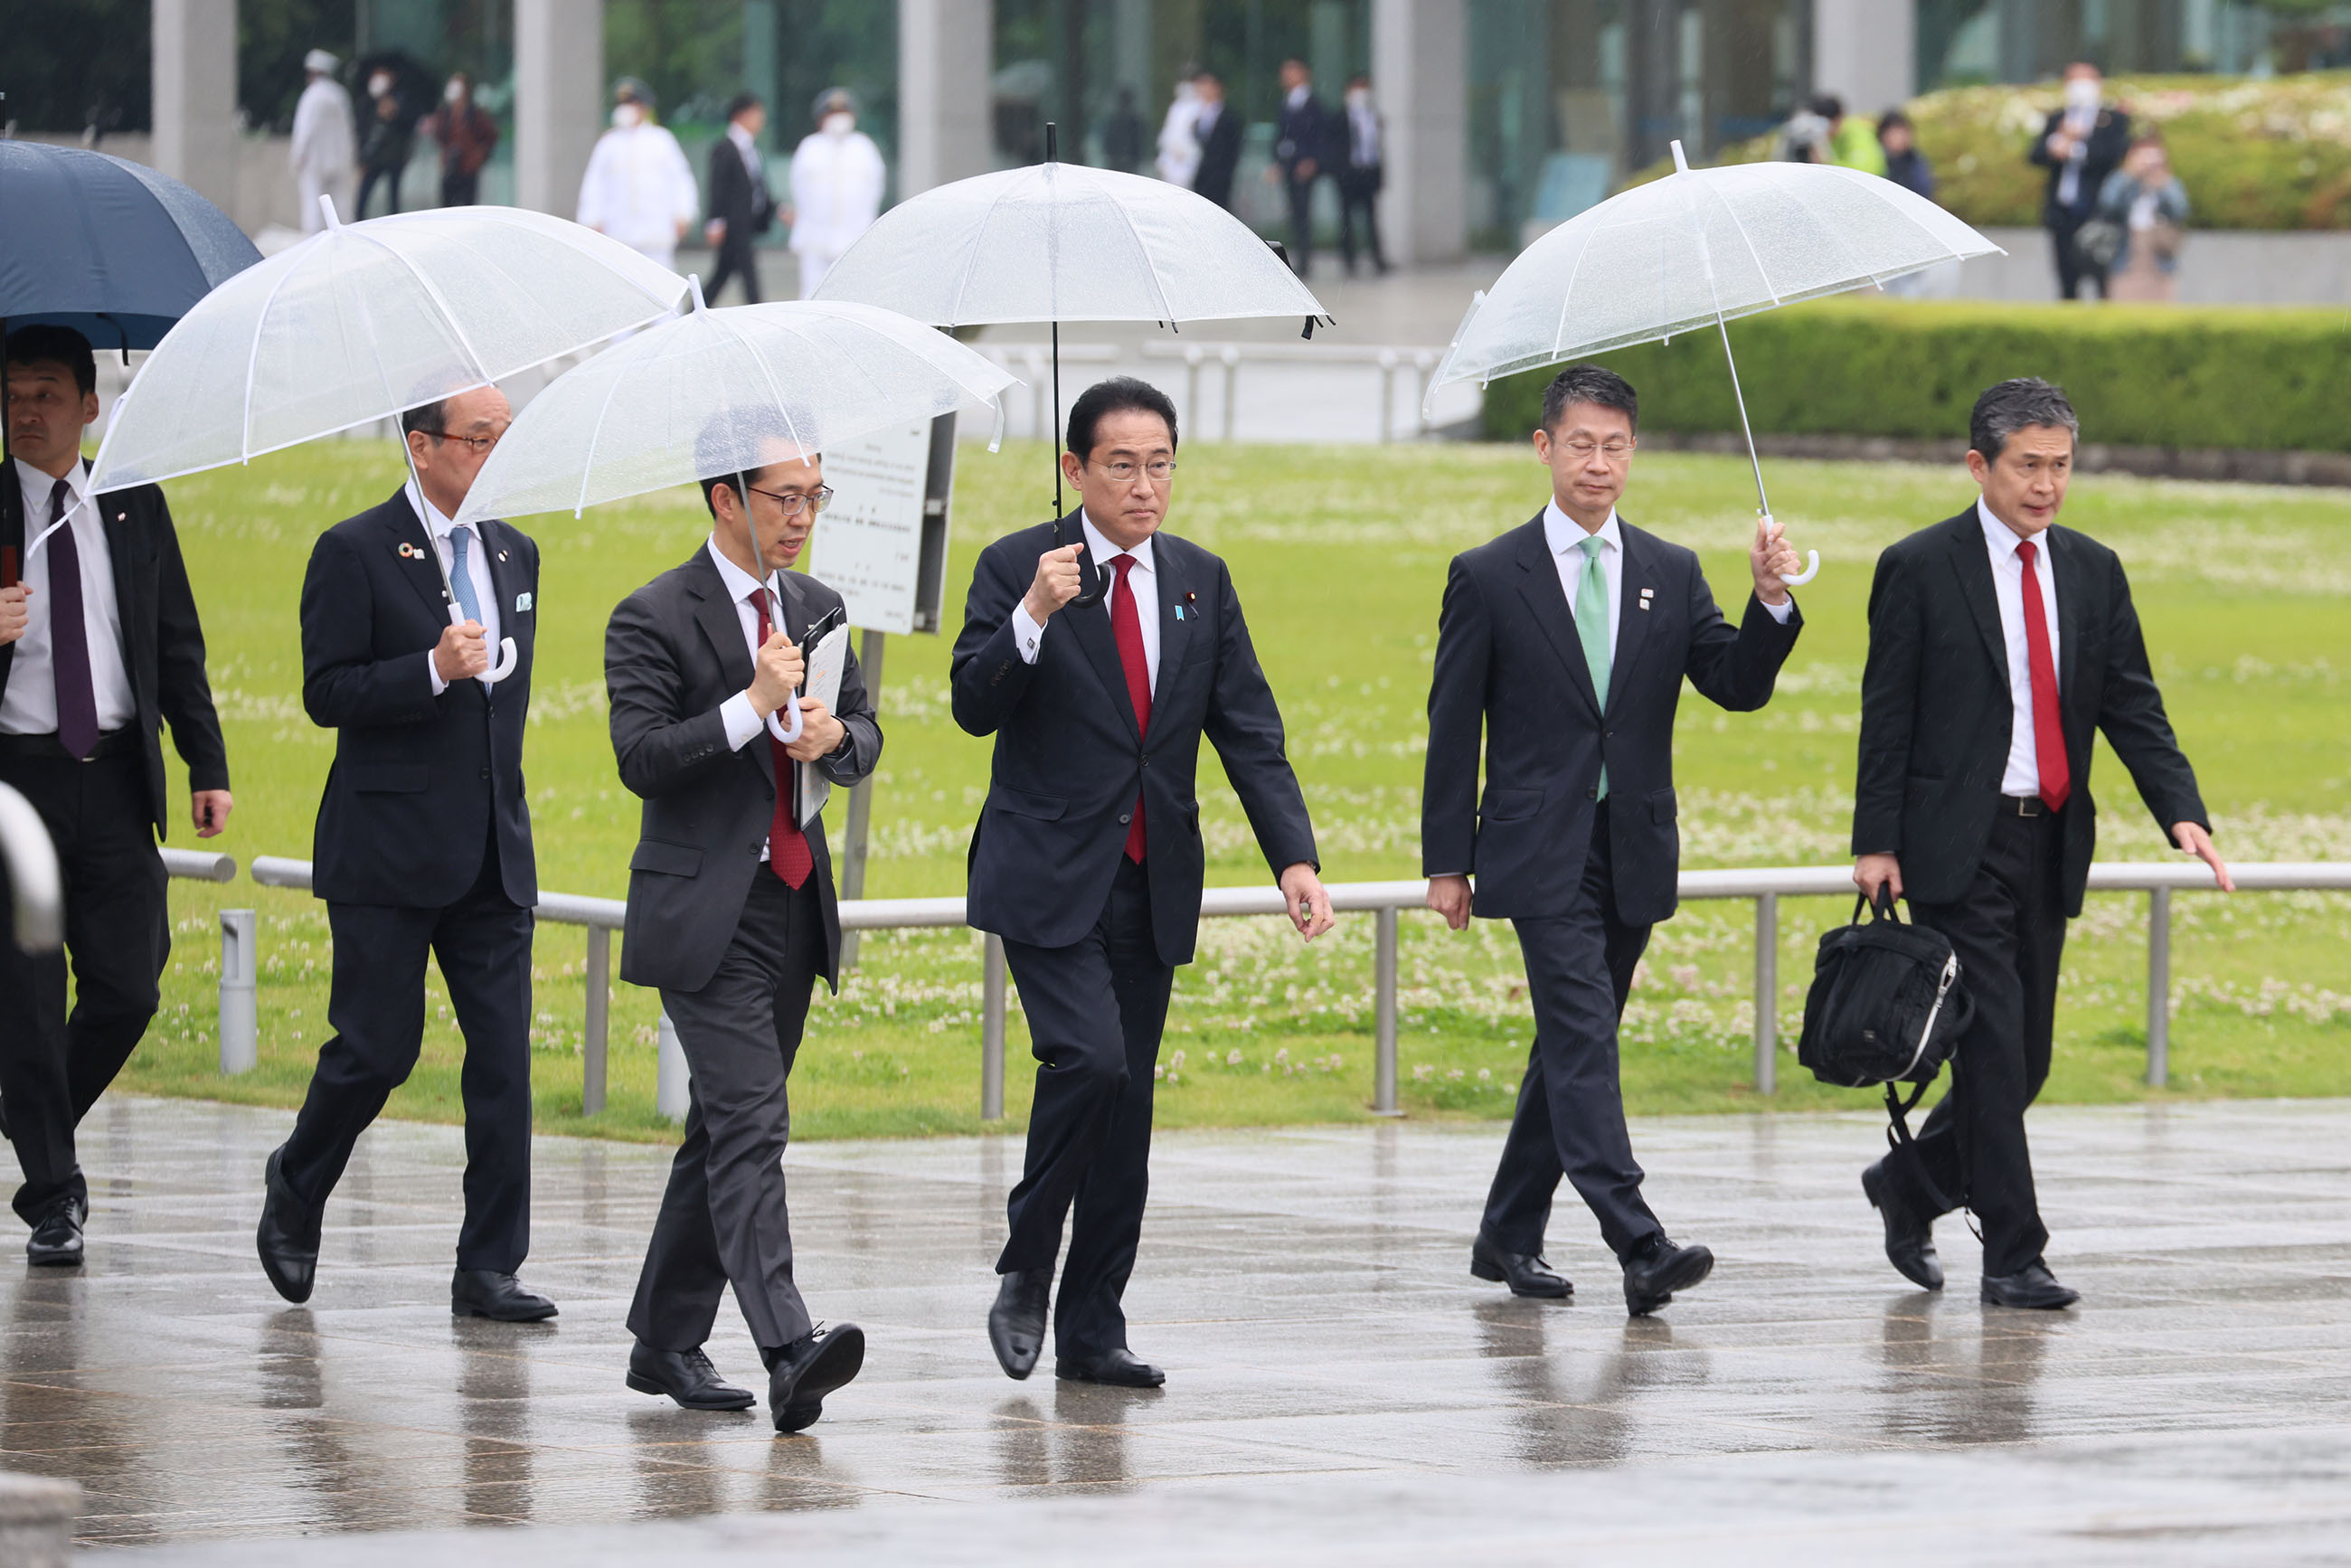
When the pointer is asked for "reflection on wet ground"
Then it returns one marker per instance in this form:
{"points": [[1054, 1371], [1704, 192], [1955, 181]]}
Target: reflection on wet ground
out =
{"points": [[1307, 1291]]}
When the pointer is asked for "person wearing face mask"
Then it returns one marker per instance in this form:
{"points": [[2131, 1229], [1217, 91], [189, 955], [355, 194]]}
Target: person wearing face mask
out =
{"points": [[1360, 175], [837, 179], [1216, 133], [466, 136], [1179, 151], [391, 137], [639, 188], [2083, 142], [324, 146]]}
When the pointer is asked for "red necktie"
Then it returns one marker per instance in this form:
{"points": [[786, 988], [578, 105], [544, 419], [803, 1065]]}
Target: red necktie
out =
{"points": [[788, 847], [2048, 730], [1126, 630]]}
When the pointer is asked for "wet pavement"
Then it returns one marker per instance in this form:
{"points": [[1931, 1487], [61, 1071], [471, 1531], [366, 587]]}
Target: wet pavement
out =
{"points": [[1338, 1388]]}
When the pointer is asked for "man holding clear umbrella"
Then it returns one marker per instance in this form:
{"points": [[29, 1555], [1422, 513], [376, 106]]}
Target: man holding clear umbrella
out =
{"points": [[423, 847]]}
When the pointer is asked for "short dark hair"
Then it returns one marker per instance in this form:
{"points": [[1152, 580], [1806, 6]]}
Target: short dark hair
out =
{"points": [[2014, 405], [1590, 383], [1119, 394], [1892, 117], [46, 343], [433, 418], [1827, 105], [741, 102]]}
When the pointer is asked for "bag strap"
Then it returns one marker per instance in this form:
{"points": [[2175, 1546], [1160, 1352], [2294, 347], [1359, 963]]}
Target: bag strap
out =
{"points": [[1898, 1140]]}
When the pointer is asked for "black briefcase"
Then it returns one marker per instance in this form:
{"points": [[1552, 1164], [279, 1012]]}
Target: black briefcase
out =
{"points": [[1885, 1007]]}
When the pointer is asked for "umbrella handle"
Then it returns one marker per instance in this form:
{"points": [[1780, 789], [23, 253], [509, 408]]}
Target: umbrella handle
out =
{"points": [[508, 658], [1092, 576], [775, 726], [1811, 570]]}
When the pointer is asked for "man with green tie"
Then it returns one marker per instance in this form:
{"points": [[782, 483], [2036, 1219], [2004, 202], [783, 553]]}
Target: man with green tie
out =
{"points": [[1562, 648]]}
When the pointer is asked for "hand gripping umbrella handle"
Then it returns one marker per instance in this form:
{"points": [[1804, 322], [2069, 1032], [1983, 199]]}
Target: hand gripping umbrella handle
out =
{"points": [[506, 656], [1811, 564], [776, 725]]}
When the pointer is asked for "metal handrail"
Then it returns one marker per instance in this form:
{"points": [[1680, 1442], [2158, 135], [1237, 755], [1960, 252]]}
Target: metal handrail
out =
{"points": [[1765, 884], [36, 889]]}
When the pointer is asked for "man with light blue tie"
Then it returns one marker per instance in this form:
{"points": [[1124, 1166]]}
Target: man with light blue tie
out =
{"points": [[422, 846]]}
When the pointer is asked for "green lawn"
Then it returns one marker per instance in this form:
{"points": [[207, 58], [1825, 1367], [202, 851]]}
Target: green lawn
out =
{"points": [[1340, 558]]}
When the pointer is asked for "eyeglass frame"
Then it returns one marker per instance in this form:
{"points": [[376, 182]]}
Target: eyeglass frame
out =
{"points": [[791, 505], [480, 445], [1598, 448], [1142, 468]]}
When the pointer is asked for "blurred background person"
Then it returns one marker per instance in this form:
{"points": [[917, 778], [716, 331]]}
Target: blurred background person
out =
{"points": [[1217, 130], [1822, 132], [639, 188], [2083, 142], [741, 209], [1897, 139], [466, 135], [837, 180], [1301, 140], [2148, 206], [1179, 149], [1123, 135], [390, 137], [324, 146], [1360, 175]]}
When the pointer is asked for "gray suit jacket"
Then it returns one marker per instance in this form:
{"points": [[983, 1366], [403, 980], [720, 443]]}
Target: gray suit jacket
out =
{"points": [[673, 653]]}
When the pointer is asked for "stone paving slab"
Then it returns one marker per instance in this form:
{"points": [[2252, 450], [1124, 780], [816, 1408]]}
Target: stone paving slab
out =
{"points": [[1339, 1388]]}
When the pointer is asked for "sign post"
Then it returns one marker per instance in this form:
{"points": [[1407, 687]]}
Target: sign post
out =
{"points": [[884, 546]]}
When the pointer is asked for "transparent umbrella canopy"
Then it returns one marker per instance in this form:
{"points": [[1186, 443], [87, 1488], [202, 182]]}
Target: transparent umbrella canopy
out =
{"points": [[1699, 248]]}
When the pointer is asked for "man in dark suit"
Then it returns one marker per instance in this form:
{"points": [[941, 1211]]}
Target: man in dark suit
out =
{"points": [[1087, 859], [422, 846], [1217, 130], [1565, 641], [2082, 144], [1362, 171], [740, 208], [1999, 647], [732, 914], [99, 647], [1301, 146]]}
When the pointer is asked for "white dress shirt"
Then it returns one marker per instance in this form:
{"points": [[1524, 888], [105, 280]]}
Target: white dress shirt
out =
{"points": [[30, 706], [2023, 774], [742, 720], [748, 148], [1362, 136], [1141, 581], [477, 568]]}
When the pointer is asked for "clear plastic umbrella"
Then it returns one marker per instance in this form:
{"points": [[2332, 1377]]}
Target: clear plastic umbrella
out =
{"points": [[718, 392], [1059, 241], [365, 320], [1697, 248]]}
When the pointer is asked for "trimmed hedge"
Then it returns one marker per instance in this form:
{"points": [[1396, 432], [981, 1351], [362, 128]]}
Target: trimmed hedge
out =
{"points": [[2155, 375]]}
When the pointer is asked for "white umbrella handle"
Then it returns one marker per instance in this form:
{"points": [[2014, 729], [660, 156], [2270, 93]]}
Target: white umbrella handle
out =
{"points": [[1811, 570], [507, 656], [776, 725]]}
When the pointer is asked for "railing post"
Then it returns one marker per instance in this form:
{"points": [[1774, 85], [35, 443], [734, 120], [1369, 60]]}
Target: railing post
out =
{"points": [[991, 1028], [596, 1031], [240, 1024], [1232, 358], [2158, 986], [1384, 1091], [1767, 993], [870, 645], [1387, 395], [1193, 355], [672, 1079]]}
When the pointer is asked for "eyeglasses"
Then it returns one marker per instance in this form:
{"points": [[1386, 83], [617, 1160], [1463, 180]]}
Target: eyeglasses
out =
{"points": [[480, 445], [1581, 451], [1159, 471], [790, 505]]}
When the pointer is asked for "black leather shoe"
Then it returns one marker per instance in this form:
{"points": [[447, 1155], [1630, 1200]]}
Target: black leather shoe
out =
{"points": [[1015, 1324], [801, 1374], [2032, 1286], [686, 1376], [1120, 1368], [288, 1239], [1909, 1235], [1526, 1274], [486, 1293], [1656, 1269], [56, 1240]]}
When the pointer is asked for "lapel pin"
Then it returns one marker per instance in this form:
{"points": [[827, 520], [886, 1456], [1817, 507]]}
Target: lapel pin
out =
{"points": [[522, 602], [406, 550], [502, 554]]}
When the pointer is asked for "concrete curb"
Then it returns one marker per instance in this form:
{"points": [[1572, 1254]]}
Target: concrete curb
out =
{"points": [[37, 1521]]}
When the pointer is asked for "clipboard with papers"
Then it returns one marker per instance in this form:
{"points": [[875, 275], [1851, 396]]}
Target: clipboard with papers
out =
{"points": [[826, 654]]}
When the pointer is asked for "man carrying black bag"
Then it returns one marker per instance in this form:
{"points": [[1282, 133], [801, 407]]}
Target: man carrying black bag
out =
{"points": [[1998, 646]]}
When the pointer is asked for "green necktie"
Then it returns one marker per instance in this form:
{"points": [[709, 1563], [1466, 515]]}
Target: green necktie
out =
{"points": [[1592, 629]]}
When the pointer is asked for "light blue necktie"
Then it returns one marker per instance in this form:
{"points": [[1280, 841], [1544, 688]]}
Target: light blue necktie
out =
{"points": [[1592, 629], [462, 577]]}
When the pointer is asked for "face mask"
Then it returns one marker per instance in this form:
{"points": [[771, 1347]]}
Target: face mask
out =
{"points": [[627, 116], [2081, 92], [1358, 99], [378, 86], [838, 124], [454, 91]]}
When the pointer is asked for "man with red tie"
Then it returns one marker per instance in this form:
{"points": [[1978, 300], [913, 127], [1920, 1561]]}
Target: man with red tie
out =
{"points": [[2000, 646], [1086, 859]]}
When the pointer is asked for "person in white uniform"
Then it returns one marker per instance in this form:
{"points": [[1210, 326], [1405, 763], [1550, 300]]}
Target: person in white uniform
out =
{"points": [[639, 188], [1179, 149], [324, 148], [837, 180]]}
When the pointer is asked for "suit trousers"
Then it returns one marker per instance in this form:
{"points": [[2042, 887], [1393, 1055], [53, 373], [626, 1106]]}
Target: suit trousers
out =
{"points": [[2009, 934], [1570, 1119], [1096, 1010], [2073, 268], [376, 1006], [1302, 223], [737, 259], [1359, 196], [55, 1064], [724, 1220]]}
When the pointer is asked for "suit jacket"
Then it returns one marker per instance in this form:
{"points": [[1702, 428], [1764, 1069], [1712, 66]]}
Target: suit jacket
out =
{"points": [[1509, 662], [1071, 760], [673, 653], [419, 782], [1305, 132], [1936, 710], [2109, 140], [734, 196], [1220, 155], [162, 641]]}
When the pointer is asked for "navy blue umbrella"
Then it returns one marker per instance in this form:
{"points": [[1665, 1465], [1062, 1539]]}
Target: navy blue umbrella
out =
{"points": [[107, 246]]}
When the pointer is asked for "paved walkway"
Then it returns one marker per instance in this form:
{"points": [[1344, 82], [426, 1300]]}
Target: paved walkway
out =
{"points": [[1339, 1389]]}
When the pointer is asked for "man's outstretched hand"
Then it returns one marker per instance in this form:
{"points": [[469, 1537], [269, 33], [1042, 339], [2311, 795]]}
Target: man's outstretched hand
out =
{"points": [[2193, 840], [1308, 905]]}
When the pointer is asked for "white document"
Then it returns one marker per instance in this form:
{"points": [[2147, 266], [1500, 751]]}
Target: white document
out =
{"points": [[822, 682]]}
